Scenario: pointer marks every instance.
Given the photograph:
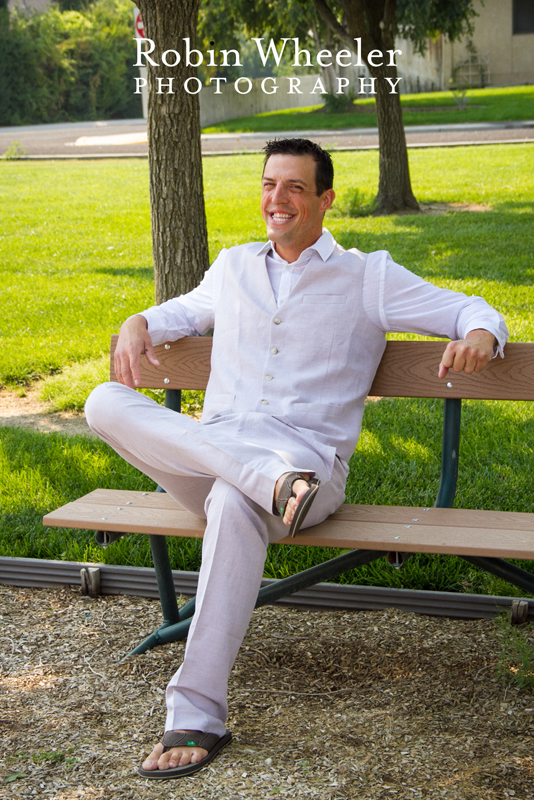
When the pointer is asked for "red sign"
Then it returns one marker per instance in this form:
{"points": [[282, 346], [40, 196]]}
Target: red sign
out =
{"points": [[139, 27]]}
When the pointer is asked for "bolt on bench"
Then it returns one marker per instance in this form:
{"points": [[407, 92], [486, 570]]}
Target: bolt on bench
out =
{"points": [[407, 369]]}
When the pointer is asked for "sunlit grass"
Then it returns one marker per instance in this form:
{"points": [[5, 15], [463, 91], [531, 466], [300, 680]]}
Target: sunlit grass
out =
{"points": [[496, 104]]}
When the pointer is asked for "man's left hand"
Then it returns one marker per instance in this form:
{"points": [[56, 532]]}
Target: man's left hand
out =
{"points": [[468, 355]]}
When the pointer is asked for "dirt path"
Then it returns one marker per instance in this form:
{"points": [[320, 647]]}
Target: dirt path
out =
{"points": [[30, 412]]}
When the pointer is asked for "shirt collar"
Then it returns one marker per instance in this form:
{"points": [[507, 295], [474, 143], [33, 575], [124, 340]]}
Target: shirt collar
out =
{"points": [[324, 246]]}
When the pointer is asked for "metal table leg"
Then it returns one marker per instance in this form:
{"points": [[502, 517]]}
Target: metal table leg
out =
{"points": [[269, 594]]}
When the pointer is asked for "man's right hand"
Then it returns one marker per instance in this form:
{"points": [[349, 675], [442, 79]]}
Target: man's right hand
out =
{"points": [[134, 341]]}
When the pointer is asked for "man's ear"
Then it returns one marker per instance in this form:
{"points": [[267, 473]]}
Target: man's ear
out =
{"points": [[327, 198]]}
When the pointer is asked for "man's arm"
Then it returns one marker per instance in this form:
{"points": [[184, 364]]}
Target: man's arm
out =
{"points": [[188, 315], [398, 300]]}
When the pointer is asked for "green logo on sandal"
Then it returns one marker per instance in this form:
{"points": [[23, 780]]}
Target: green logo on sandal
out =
{"points": [[192, 744]]}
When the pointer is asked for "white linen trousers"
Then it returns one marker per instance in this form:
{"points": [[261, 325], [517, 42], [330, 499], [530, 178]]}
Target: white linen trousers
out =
{"points": [[201, 466]]}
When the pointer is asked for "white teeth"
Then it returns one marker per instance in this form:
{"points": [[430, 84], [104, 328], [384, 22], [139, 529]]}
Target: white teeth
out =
{"points": [[282, 216]]}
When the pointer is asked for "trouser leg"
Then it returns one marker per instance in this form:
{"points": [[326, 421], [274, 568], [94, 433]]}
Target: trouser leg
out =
{"points": [[172, 443], [233, 555]]}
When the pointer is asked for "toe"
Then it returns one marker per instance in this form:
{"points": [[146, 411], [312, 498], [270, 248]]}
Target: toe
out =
{"points": [[181, 757], [300, 488], [151, 762], [175, 757]]}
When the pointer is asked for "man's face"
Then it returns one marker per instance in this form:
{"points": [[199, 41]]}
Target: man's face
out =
{"points": [[292, 211]]}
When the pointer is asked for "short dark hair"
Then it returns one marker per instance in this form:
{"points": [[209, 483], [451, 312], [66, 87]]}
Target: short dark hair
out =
{"points": [[324, 169]]}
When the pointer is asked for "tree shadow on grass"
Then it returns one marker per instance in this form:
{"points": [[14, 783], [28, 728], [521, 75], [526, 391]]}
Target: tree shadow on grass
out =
{"points": [[397, 461], [128, 272], [495, 245]]}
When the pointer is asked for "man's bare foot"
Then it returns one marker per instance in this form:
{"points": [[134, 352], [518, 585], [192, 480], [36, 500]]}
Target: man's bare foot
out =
{"points": [[175, 757], [300, 488]]}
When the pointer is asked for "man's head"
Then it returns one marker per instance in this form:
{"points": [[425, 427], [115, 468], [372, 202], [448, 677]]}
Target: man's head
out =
{"points": [[324, 169], [296, 193]]}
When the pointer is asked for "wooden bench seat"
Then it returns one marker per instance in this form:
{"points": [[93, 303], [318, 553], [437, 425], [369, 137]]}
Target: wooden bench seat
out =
{"points": [[390, 528], [407, 369]]}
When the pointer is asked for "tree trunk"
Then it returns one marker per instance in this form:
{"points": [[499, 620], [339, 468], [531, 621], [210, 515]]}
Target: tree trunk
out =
{"points": [[394, 185], [179, 231], [374, 22]]}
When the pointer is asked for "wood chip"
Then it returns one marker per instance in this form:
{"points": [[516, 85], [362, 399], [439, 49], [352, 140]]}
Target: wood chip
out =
{"points": [[332, 705]]}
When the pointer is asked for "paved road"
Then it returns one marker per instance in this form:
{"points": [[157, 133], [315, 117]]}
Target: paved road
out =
{"points": [[123, 138]]}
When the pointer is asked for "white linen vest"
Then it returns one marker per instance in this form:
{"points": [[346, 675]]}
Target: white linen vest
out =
{"points": [[309, 362]]}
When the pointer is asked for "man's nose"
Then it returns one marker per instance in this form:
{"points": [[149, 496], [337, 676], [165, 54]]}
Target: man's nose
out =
{"points": [[280, 194]]}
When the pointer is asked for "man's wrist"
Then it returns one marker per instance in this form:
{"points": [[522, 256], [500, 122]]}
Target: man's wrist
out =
{"points": [[482, 333], [137, 319]]}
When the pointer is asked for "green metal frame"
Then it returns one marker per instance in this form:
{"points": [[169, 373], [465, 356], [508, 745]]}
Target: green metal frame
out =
{"points": [[176, 621]]}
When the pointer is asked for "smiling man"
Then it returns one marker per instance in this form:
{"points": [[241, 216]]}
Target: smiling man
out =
{"points": [[299, 330]]}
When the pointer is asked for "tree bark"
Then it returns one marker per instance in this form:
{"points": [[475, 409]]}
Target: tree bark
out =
{"points": [[179, 231], [374, 22], [394, 185]]}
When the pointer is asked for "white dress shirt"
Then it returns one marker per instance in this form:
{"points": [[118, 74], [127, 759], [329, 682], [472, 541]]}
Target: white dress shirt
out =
{"points": [[283, 275]]}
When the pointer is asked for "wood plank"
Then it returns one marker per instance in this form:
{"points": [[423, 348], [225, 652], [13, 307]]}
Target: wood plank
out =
{"points": [[381, 530], [401, 515], [407, 369], [418, 539], [186, 363], [456, 517], [124, 497], [410, 369], [164, 521]]}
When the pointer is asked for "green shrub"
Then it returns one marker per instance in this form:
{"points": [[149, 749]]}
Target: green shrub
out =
{"points": [[68, 65], [338, 103]]}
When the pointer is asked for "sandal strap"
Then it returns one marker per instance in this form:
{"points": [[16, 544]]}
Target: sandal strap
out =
{"points": [[189, 739], [286, 492]]}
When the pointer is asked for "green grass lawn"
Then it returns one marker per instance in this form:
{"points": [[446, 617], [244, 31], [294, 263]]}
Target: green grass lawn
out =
{"points": [[75, 246], [429, 108]]}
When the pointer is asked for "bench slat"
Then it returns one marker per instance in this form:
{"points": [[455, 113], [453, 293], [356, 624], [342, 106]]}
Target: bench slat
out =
{"points": [[410, 369], [458, 517], [420, 539], [401, 515], [438, 530], [132, 519], [124, 497], [186, 363], [407, 369]]}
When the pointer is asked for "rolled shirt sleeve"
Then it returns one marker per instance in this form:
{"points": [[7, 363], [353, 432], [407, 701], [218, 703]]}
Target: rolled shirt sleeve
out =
{"points": [[407, 303]]}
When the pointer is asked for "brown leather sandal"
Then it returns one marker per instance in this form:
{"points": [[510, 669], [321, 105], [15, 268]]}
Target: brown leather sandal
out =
{"points": [[286, 492], [209, 741]]}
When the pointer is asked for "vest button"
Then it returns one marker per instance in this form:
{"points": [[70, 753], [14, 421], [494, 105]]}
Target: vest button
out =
{"points": [[264, 402], [274, 350], [277, 321], [268, 377]]}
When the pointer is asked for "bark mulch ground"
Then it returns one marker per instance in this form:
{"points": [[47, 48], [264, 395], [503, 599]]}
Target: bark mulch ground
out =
{"points": [[329, 705]]}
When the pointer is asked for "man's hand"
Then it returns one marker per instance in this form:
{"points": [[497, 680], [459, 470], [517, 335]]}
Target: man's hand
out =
{"points": [[468, 355], [134, 341]]}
